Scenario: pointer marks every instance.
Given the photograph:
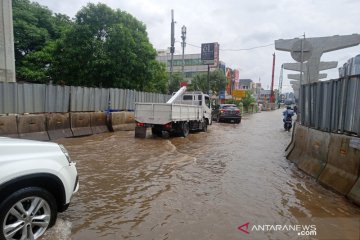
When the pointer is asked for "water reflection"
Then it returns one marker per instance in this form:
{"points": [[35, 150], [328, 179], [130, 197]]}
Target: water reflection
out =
{"points": [[200, 187]]}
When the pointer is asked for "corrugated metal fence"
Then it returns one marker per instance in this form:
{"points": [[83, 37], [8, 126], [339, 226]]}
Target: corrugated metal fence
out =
{"points": [[39, 98], [332, 106]]}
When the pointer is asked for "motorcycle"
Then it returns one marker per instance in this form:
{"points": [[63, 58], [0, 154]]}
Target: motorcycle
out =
{"points": [[288, 123]]}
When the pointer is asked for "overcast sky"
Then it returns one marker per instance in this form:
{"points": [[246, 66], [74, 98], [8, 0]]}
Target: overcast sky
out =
{"points": [[240, 24]]}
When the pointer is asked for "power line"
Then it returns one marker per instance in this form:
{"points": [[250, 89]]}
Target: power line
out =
{"points": [[240, 49], [236, 50], [247, 49]]}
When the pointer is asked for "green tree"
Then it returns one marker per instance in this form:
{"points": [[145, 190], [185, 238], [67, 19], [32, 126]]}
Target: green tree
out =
{"points": [[174, 85], [217, 82], [35, 30], [248, 99], [108, 48], [158, 80]]}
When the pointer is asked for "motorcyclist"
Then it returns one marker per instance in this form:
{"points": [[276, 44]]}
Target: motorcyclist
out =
{"points": [[288, 113]]}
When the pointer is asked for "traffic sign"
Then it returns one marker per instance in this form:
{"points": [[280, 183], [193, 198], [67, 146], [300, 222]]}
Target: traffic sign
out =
{"points": [[239, 93]]}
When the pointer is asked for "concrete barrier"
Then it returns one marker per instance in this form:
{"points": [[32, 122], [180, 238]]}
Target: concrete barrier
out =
{"points": [[122, 121], [98, 122], [314, 158], [291, 145], [354, 194], [33, 126], [58, 125], [80, 124], [8, 126], [343, 165], [301, 138]]}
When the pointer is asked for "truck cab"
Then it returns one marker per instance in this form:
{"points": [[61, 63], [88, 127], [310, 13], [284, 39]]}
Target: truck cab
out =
{"points": [[199, 99]]}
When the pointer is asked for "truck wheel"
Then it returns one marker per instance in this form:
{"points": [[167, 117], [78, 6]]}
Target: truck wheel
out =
{"points": [[156, 132], [184, 131], [204, 125]]}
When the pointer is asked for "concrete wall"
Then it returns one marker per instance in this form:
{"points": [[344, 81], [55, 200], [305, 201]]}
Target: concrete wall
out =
{"points": [[333, 159], [50, 126]]}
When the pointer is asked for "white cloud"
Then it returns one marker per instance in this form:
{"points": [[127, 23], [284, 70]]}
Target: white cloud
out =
{"points": [[239, 24]]}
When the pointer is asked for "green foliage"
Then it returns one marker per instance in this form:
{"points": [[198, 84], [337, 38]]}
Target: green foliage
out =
{"points": [[34, 30], [158, 78], [108, 48], [174, 85], [217, 82], [102, 47], [248, 99]]}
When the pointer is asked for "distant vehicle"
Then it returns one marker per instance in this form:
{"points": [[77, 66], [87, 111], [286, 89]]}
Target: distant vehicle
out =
{"points": [[226, 112], [37, 180], [184, 111], [288, 101]]}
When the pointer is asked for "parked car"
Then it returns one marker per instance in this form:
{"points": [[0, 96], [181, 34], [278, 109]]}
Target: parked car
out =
{"points": [[226, 112], [37, 180]]}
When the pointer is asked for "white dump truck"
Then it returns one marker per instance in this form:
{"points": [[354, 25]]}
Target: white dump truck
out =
{"points": [[184, 111]]}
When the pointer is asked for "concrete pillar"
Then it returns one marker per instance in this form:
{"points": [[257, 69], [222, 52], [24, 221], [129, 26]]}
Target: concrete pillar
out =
{"points": [[7, 54], [313, 48]]}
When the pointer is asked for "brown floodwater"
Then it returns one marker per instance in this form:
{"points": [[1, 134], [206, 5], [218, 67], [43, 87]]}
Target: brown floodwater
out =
{"points": [[201, 187]]}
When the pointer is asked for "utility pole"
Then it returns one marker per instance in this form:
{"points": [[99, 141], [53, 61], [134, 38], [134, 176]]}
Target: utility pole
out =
{"points": [[280, 83], [272, 95], [208, 79], [183, 45], [172, 42]]}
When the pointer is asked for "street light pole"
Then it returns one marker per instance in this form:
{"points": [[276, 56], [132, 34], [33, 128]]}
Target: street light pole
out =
{"points": [[172, 45], [183, 44]]}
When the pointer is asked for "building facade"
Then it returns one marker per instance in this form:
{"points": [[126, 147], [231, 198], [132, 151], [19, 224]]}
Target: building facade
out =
{"points": [[193, 65], [245, 84]]}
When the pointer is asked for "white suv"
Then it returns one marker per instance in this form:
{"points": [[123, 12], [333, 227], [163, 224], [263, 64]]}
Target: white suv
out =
{"points": [[37, 180]]}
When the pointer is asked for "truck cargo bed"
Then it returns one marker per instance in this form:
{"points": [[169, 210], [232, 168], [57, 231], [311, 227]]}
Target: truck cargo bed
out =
{"points": [[162, 113]]}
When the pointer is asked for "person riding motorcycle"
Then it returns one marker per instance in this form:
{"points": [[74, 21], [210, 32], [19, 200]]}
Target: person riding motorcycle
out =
{"points": [[288, 113]]}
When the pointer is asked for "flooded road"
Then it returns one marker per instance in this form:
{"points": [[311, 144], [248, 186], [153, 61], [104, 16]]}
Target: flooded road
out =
{"points": [[205, 186]]}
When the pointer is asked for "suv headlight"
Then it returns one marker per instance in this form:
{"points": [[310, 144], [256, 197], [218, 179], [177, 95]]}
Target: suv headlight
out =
{"points": [[66, 153]]}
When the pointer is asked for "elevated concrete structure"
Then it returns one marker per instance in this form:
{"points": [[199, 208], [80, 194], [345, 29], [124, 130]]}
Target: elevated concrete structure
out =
{"points": [[297, 67], [297, 76], [313, 48], [7, 54], [322, 66], [296, 83]]}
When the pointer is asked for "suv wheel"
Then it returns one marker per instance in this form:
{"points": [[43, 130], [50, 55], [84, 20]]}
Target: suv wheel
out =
{"points": [[27, 213]]}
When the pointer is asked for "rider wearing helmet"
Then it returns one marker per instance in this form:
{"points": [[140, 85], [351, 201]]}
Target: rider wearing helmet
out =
{"points": [[288, 113]]}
